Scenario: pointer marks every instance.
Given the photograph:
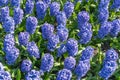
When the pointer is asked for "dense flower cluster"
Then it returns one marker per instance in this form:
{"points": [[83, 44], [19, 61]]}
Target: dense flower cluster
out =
{"points": [[47, 62], [116, 4], [15, 3], [18, 15], [29, 7], [62, 49], [68, 9], [41, 8], [69, 63], [26, 65], [47, 30], [31, 24], [54, 8], [3, 2], [33, 49], [72, 47], [23, 38], [64, 74], [109, 65]]}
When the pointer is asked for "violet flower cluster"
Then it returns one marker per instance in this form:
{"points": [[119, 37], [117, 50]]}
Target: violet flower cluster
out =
{"points": [[85, 27], [116, 5], [109, 64]]}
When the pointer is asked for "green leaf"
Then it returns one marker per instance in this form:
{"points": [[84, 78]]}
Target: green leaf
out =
{"points": [[77, 6], [18, 77]]}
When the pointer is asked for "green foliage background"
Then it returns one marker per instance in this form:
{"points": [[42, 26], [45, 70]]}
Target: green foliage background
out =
{"points": [[100, 45]]}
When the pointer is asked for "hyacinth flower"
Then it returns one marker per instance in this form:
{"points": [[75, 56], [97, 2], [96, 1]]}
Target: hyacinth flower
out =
{"points": [[29, 7], [82, 68], [104, 3], [47, 1], [12, 56], [115, 27], [33, 49], [87, 53], [61, 50], [9, 25], [3, 2], [54, 8], [82, 17], [61, 18], [72, 47], [1, 67], [116, 5], [103, 15], [85, 36], [111, 55], [64, 74], [47, 62], [33, 75], [41, 9], [5, 75], [4, 13], [52, 42], [69, 63], [47, 30], [108, 69], [104, 30], [31, 24], [23, 38], [26, 65], [18, 15], [62, 32], [68, 8], [15, 3]]}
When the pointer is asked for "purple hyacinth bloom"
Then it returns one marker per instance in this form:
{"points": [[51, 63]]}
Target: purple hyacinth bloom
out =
{"points": [[84, 26], [33, 75], [64, 74], [9, 25], [47, 1], [116, 4], [83, 17], [33, 49], [26, 65], [103, 15], [47, 30], [61, 18], [31, 24], [85, 36], [87, 53], [54, 8], [111, 55], [72, 47], [4, 13], [23, 38], [61, 50], [62, 32], [104, 30], [41, 8], [82, 68], [52, 42], [15, 3], [115, 27], [18, 15], [47, 62], [68, 8], [9, 40], [12, 56], [5, 75], [3, 2], [29, 7], [108, 69], [1, 67], [69, 63], [104, 3]]}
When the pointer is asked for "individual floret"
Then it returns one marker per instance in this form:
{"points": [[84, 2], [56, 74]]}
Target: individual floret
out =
{"points": [[1, 67], [3, 2], [5, 75]]}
